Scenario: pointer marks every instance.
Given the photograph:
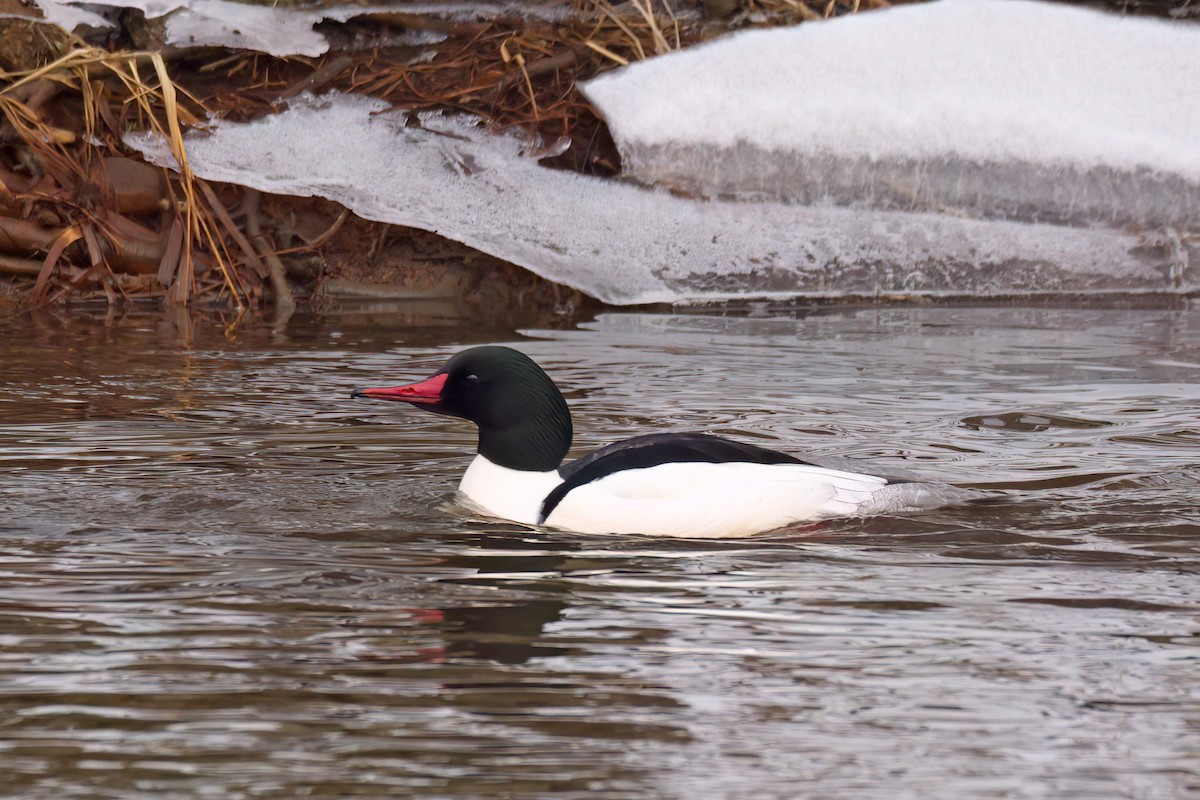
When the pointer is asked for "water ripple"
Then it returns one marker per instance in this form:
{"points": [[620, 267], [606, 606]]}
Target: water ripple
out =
{"points": [[222, 578]]}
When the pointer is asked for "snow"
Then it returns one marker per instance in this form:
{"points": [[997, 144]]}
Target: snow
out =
{"points": [[266, 29], [995, 80], [263, 28], [67, 16], [994, 108]]}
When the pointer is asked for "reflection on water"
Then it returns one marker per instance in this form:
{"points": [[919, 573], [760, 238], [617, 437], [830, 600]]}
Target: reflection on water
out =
{"points": [[222, 578]]}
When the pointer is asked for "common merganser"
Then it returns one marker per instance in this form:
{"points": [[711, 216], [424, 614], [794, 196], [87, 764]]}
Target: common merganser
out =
{"points": [[691, 485]]}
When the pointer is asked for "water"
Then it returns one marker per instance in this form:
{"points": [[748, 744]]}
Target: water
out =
{"points": [[223, 578]]}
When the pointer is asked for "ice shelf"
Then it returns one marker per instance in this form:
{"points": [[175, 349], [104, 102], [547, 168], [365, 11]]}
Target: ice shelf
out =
{"points": [[624, 243]]}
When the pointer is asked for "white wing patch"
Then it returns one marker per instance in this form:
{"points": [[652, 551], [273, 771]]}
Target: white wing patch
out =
{"points": [[702, 500]]}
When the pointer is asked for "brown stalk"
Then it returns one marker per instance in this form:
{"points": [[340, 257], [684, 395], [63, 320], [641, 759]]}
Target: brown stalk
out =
{"points": [[20, 266], [540, 68], [22, 236], [172, 254], [231, 227], [68, 237]]}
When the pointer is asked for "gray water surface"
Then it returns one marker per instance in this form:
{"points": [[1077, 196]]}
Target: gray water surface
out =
{"points": [[220, 577]]}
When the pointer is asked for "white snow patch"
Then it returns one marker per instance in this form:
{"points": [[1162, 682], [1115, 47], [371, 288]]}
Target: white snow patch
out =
{"points": [[266, 29], [1003, 109], [279, 32], [68, 16], [624, 244], [996, 80]]}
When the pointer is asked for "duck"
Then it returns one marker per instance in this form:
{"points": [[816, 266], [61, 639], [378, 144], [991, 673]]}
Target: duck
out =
{"points": [[685, 484]]}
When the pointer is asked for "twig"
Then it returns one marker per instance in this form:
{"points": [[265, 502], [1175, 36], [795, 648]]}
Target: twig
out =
{"points": [[314, 82], [320, 240], [252, 204], [609, 54], [537, 69], [231, 227]]}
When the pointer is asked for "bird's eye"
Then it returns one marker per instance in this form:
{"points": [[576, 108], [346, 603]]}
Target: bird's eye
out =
{"points": [[471, 380]]}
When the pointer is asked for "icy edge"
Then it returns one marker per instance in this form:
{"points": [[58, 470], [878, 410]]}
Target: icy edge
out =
{"points": [[625, 244]]}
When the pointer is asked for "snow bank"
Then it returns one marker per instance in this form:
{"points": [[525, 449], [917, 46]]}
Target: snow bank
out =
{"points": [[998, 109]]}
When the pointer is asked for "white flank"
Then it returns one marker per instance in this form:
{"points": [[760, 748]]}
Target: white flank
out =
{"points": [[704, 501], [696, 500]]}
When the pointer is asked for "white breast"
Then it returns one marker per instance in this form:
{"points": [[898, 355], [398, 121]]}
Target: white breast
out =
{"points": [[702, 500], [507, 493]]}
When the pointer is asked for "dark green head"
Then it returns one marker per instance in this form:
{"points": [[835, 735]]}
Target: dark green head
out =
{"points": [[523, 420]]}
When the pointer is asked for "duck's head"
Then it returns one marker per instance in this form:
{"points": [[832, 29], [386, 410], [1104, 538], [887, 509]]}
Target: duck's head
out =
{"points": [[523, 419]]}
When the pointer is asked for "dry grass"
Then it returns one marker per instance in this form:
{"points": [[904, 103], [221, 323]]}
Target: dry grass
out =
{"points": [[113, 93], [525, 73]]}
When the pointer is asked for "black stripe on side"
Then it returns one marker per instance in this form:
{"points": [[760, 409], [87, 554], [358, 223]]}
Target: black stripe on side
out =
{"points": [[654, 450]]}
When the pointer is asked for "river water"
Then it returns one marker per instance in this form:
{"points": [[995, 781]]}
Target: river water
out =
{"points": [[223, 578]]}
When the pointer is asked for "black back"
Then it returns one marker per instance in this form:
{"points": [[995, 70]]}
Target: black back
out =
{"points": [[654, 449]]}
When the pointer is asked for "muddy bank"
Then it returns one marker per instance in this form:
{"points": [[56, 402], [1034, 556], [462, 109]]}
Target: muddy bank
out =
{"points": [[375, 261]]}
